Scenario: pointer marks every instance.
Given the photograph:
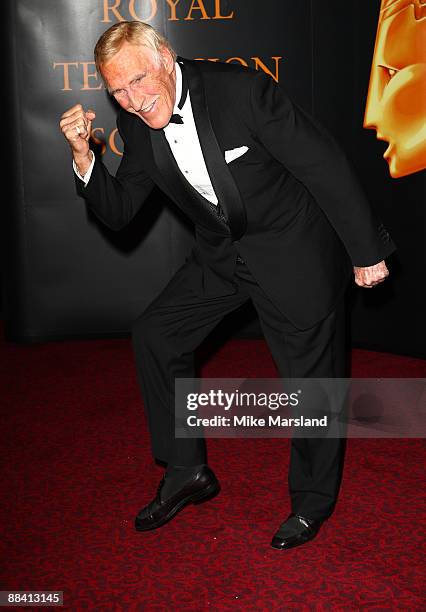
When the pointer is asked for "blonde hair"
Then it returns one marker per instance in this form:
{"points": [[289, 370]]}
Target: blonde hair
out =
{"points": [[133, 32]]}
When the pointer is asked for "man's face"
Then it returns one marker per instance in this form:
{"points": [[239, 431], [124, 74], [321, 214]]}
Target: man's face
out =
{"points": [[141, 84]]}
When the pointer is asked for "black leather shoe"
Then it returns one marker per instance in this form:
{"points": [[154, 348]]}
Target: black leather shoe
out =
{"points": [[201, 486], [296, 530]]}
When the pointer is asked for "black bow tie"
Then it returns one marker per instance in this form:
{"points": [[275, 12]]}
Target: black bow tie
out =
{"points": [[176, 118]]}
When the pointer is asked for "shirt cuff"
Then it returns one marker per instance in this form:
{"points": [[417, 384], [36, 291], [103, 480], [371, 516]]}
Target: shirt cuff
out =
{"points": [[88, 174]]}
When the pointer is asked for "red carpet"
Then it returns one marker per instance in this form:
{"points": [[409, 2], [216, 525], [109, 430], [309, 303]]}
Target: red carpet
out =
{"points": [[77, 467]]}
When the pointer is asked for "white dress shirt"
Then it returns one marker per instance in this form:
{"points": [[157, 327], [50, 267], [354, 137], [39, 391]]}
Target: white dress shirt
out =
{"points": [[185, 146]]}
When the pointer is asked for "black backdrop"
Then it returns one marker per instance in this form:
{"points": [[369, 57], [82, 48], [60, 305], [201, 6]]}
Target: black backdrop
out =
{"points": [[67, 276]]}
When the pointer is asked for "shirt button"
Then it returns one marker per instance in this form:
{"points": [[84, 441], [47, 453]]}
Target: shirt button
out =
{"points": [[186, 171], [175, 141]]}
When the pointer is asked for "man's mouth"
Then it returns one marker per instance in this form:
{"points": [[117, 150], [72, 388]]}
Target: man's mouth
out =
{"points": [[148, 108]]}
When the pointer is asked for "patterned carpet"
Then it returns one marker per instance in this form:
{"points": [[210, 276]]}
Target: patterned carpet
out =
{"points": [[76, 467]]}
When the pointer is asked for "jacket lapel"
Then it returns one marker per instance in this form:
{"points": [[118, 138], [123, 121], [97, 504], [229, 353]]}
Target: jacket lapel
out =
{"points": [[181, 191], [220, 175], [223, 182]]}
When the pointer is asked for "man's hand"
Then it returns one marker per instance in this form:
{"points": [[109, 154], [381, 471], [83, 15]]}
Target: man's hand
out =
{"points": [[371, 275], [76, 126]]}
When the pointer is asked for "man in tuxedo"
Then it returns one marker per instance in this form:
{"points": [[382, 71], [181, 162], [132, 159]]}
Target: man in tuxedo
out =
{"points": [[279, 219]]}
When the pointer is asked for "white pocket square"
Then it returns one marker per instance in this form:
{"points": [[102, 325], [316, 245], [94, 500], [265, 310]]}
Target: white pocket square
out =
{"points": [[234, 153]]}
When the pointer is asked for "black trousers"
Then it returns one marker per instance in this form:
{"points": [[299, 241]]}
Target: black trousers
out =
{"points": [[174, 325]]}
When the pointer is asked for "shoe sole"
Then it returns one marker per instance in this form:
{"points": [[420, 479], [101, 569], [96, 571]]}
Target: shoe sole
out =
{"points": [[196, 498]]}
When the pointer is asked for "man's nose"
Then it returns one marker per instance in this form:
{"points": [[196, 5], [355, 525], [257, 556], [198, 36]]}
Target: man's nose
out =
{"points": [[136, 101]]}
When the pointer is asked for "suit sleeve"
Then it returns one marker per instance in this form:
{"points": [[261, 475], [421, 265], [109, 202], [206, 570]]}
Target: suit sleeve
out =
{"points": [[309, 152], [116, 200]]}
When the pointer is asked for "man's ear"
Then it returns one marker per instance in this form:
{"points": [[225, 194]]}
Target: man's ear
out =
{"points": [[167, 59]]}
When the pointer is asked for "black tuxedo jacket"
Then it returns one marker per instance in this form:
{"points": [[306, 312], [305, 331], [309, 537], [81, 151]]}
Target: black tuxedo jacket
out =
{"points": [[295, 212]]}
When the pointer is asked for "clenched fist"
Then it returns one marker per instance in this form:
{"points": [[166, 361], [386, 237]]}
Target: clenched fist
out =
{"points": [[76, 126], [371, 276]]}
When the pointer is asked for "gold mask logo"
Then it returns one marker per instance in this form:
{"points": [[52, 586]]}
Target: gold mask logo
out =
{"points": [[396, 100], [174, 10]]}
